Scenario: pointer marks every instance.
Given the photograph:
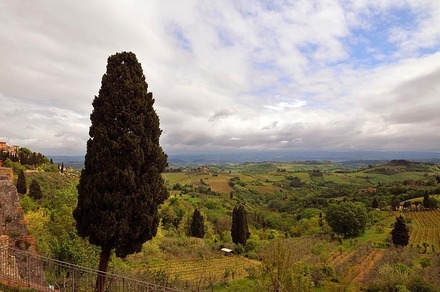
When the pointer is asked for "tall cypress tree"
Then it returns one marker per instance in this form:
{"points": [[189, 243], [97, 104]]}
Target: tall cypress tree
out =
{"points": [[239, 230], [375, 203], [35, 190], [426, 200], [121, 187], [400, 232], [21, 183], [197, 225]]}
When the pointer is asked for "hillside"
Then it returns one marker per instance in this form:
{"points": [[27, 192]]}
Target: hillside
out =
{"points": [[286, 207]]}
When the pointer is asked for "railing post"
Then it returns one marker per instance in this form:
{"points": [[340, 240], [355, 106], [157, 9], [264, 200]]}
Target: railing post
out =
{"points": [[28, 264], [73, 279]]}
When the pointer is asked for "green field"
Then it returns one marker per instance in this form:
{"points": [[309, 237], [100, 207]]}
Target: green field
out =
{"points": [[285, 202]]}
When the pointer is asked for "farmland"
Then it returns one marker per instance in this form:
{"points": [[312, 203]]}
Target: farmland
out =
{"points": [[286, 206], [214, 269], [425, 228]]}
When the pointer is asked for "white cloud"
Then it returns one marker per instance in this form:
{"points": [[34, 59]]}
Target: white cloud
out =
{"points": [[229, 75]]}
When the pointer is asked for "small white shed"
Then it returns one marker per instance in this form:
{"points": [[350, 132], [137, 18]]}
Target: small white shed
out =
{"points": [[227, 251]]}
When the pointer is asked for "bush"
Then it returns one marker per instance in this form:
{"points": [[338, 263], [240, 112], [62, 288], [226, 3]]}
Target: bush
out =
{"points": [[16, 166], [420, 285], [239, 249], [425, 262], [252, 244], [348, 219], [35, 190], [28, 204]]}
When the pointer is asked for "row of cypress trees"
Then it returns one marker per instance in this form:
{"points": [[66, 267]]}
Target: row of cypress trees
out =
{"points": [[24, 156], [239, 230], [34, 188]]}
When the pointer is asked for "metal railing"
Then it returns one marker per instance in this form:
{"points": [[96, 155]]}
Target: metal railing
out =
{"points": [[27, 270]]}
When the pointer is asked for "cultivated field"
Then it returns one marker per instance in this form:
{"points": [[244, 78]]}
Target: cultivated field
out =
{"points": [[212, 270], [425, 228]]}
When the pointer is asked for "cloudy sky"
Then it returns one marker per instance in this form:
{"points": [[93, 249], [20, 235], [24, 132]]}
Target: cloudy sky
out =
{"points": [[229, 75]]}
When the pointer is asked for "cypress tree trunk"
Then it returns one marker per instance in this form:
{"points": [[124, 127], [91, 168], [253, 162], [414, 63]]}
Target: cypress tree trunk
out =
{"points": [[103, 266]]}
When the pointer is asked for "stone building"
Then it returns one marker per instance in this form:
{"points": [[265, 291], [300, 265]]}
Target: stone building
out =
{"points": [[11, 149]]}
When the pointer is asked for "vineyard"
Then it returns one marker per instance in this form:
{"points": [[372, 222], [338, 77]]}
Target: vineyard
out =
{"points": [[212, 270], [425, 227]]}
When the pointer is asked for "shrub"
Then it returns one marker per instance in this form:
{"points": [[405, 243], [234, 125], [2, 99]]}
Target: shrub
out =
{"points": [[348, 219], [35, 190]]}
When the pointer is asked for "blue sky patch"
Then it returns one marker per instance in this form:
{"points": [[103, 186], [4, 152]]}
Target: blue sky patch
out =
{"points": [[179, 35], [378, 42], [224, 37]]}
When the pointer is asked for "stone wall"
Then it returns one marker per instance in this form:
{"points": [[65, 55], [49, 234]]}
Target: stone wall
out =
{"points": [[4, 240], [6, 174], [11, 216]]}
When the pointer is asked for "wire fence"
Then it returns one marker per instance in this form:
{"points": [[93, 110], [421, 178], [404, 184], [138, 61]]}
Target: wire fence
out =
{"points": [[26, 270]]}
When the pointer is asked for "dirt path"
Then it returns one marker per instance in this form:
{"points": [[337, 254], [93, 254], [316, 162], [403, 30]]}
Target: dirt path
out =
{"points": [[362, 269], [340, 258], [356, 270]]}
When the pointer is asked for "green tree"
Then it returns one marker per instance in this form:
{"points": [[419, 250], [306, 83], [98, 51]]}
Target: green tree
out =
{"points": [[35, 190], [16, 166], [169, 217], [239, 230], [348, 219], [375, 203], [121, 187], [21, 183], [400, 232], [426, 200], [395, 203], [197, 225]]}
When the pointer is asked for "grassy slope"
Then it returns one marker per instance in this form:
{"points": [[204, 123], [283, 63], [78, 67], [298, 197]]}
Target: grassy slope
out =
{"points": [[259, 177]]}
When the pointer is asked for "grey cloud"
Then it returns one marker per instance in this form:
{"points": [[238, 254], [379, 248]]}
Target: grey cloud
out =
{"points": [[426, 86], [54, 55], [187, 138], [416, 115], [220, 114], [417, 101], [271, 126]]}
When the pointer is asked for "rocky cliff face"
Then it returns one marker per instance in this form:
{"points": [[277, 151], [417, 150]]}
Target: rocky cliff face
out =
{"points": [[6, 174], [11, 217]]}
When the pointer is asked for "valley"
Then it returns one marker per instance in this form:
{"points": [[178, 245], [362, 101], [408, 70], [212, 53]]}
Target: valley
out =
{"points": [[290, 238]]}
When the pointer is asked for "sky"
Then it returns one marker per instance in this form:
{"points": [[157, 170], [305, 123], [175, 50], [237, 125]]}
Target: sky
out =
{"points": [[321, 75]]}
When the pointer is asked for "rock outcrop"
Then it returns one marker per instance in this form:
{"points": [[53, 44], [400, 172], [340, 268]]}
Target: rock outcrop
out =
{"points": [[12, 222]]}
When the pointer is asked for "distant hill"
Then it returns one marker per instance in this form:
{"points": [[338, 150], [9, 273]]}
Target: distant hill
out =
{"points": [[358, 158], [348, 157], [75, 162]]}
